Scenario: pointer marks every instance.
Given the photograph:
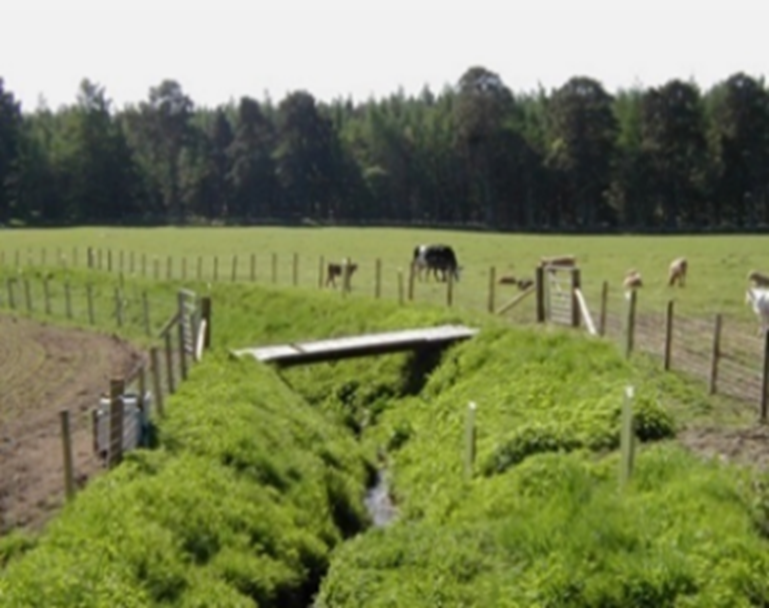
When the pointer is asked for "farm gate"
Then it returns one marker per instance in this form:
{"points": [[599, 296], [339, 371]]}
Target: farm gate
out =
{"points": [[559, 301]]}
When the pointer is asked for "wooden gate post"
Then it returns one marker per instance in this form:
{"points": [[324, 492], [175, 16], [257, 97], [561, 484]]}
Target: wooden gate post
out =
{"points": [[604, 302], [205, 313], [576, 283]]}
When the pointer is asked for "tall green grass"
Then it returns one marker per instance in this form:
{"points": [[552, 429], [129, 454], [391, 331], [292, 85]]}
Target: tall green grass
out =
{"points": [[556, 532], [255, 496], [240, 507]]}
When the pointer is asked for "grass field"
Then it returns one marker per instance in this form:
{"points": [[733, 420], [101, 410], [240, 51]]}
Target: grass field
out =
{"points": [[718, 265]]}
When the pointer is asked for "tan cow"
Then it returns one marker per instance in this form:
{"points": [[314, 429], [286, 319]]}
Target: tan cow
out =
{"points": [[677, 272]]}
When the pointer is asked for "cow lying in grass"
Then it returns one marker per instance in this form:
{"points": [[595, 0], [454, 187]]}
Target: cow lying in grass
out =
{"points": [[336, 270], [677, 272], [523, 284]]}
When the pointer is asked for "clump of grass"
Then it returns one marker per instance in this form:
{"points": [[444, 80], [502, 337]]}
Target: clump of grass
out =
{"points": [[555, 531], [249, 493]]}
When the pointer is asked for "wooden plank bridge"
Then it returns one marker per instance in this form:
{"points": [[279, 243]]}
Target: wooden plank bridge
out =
{"points": [[335, 349]]}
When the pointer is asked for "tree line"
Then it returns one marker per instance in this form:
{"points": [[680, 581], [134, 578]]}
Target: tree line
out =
{"points": [[579, 158]]}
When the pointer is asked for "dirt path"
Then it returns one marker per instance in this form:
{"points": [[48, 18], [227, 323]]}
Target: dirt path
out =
{"points": [[44, 369]]}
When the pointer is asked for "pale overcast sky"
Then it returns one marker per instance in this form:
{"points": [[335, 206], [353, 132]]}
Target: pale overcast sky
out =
{"points": [[222, 49]]}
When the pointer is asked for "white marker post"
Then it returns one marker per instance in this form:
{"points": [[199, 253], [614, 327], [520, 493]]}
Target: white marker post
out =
{"points": [[627, 438], [470, 440]]}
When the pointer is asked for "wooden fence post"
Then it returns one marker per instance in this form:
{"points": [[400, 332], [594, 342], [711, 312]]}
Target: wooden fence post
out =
{"points": [[378, 279], [411, 283], [27, 295], [156, 268], [155, 362], [320, 274], [169, 362], [67, 301], [109, 260], [450, 290], [540, 287], [604, 304], [182, 349], [234, 268], [630, 325], [89, 297], [120, 265], [66, 441], [345, 277], [9, 284], [274, 267], [116, 390], [576, 283], [146, 311], [491, 303], [668, 336], [400, 287], [216, 268], [295, 270], [131, 262], [715, 354], [253, 267], [118, 307], [205, 313], [762, 415], [46, 296]]}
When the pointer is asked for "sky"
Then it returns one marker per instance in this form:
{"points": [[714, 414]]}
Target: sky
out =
{"points": [[220, 50]]}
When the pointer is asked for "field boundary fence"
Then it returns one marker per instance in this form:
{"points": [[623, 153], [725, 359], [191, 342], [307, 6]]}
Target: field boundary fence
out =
{"points": [[720, 351], [120, 419]]}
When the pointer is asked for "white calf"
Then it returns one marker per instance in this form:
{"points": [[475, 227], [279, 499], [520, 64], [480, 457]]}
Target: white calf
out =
{"points": [[758, 298]]}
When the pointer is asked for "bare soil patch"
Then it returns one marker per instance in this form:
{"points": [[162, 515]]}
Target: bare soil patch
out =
{"points": [[743, 446], [44, 369]]}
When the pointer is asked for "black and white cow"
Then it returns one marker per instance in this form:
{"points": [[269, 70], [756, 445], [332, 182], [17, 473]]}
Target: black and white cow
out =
{"points": [[436, 258]]}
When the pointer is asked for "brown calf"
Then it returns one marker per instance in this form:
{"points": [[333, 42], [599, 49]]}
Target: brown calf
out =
{"points": [[335, 270], [759, 279]]}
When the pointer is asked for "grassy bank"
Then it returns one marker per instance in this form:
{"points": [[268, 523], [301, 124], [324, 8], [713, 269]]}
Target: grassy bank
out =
{"points": [[255, 496]]}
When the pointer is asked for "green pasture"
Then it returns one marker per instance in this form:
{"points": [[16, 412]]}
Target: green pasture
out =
{"points": [[718, 265]]}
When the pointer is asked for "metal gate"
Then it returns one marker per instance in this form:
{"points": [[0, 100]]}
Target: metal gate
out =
{"points": [[189, 319], [560, 303]]}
